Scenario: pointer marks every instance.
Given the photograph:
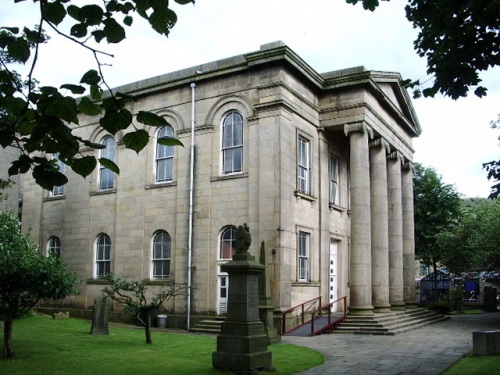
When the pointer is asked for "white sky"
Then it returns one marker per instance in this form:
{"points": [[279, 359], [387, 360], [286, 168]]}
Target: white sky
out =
{"points": [[327, 34]]}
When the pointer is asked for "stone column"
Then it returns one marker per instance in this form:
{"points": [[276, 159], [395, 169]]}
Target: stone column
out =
{"points": [[394, 195], [360, 258], [379, 225], [408, 238]]}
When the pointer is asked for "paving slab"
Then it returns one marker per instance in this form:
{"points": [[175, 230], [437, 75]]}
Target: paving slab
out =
{"points": [[424, 351]]}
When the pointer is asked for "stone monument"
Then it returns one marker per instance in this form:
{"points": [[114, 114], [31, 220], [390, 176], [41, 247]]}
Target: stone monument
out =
{"points": [[100, 318], [266, 308], [242, 344]]}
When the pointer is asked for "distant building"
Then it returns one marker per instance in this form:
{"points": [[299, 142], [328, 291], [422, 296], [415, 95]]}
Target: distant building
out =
{"points": [[318, 165]]}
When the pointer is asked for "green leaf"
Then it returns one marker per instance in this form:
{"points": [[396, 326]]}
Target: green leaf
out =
{"points": [[113, 30], [149, 118], [84, 166], [95, 92], [109, 164], [64, 108], [114, 121], [75, 89], [480, 91], [54, 12], [13, 30], [79, 30], [184, 2], [128, 20], [97, 146], [19, 50], [136, 140], [91, 77], [92, 13], [169, 141], [162, 20], [88, 107], [74, 12], [48, 178], [14, 105]]}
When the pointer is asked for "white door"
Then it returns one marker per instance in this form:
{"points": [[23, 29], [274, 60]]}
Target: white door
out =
{"points": [[223, 293], [333, 274]]}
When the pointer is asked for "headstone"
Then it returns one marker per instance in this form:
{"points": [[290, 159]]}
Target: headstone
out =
{"points": [[61, 315], [100, 318], [242, 344]]}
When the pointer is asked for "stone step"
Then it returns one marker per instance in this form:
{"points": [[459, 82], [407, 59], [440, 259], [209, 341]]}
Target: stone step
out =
{"points": [[211, 326], [388, 323]]}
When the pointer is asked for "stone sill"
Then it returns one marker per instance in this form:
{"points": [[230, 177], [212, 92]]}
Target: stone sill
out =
{"points": [[305, 284], [103, 192], [299, 195], [229, 176], [161, 185]]}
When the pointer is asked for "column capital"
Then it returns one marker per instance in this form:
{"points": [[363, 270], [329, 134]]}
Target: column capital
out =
{"points": [[409, 166], [380, 143], [396, 155], [358, 127]]}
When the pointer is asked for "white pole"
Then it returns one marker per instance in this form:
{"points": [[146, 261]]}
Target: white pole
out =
{"points": [[191, 189]]}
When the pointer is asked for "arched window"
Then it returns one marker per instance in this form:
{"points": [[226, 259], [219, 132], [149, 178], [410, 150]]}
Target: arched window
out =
{"points": [[103, 256], [58, 190], [161, 255], [54, 247], [227, 243], [106, 176], [164, 156], [232, 143]]}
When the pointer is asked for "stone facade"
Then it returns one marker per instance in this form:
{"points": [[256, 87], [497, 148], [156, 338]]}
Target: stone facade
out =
{"points": [[323, 179]]}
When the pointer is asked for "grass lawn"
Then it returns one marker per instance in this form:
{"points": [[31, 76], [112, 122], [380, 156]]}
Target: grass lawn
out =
{"points": [[46, 346], [476, 365]]}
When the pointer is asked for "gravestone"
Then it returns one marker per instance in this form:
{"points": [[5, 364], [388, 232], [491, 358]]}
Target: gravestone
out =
{"points": [[100, 318], [242, 344], [61, 315]]}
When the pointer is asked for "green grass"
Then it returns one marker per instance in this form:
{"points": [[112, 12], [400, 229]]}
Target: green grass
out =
{"points": [[468, 311], [46, 346], [475, 365]]}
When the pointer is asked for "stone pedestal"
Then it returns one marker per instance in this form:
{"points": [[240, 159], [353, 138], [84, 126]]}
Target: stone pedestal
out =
{"points": [[242, 344], [266, 308]]}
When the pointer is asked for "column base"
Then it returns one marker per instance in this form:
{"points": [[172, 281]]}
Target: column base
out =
{"points": [[361, 310], [378, 309], [398, 306], [411, 305]]}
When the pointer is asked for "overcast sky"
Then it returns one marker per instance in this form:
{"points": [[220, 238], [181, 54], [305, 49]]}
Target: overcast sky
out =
{"points": [[327, 34]]}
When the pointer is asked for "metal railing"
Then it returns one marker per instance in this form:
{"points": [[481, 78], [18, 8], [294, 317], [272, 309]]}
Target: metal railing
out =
{"points": [[331, 323], [309, 311]]}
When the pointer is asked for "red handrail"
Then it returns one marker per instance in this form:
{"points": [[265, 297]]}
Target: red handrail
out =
{"points": [[330, 324], [303, 311]]}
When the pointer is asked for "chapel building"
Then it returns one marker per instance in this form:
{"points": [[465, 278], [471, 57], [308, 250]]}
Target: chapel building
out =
{"points": [[319, 166]]}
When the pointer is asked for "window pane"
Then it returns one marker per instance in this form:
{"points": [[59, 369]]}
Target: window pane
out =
{"points": [[228, 244]]}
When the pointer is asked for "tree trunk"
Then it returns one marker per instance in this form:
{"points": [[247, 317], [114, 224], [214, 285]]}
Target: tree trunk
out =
{"points": [[147, 327], [8, 349]]}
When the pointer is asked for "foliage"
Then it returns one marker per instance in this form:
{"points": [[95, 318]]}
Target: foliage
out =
{"points": [[437, 210], [49, 347], [493, 167], [26, 276], [40, 119], [132, 296], [441, 307], [474, 243], [459, 39]]}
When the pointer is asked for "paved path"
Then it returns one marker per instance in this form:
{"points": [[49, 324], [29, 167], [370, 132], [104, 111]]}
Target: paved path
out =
{"points": [[425, 351]]}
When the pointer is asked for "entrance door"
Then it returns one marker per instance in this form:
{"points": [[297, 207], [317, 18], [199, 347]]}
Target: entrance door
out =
{"points": [[223, 293], [333, 274]]}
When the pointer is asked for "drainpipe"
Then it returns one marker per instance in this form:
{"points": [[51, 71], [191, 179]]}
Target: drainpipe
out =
{"points": [[191, 189]]}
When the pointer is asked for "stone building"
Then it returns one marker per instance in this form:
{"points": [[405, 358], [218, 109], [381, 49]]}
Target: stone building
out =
{"points": [[318, 165]]}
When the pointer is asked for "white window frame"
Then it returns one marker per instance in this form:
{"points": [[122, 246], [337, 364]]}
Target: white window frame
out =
{"points": [[54, 246], [102, 257], [106, 176], [334, 180], [232, 143], [58, 191], [303, 165], [303, 256], [164, 260], [164, 157]]}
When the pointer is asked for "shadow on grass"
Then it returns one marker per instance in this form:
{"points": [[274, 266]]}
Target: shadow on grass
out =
{"points": [[46, 346]]}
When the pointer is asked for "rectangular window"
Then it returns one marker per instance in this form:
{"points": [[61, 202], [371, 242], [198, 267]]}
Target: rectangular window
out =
{"points": [[303, 166], [334, 180], [303, 259], [58, 190]]}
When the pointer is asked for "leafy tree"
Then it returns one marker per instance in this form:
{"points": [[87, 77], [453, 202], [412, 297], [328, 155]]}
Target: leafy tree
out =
{"points": [[40, 119], [474, 244], [459, 39], [133, 297], [26, 276], [493, 167], [437, 210]]}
